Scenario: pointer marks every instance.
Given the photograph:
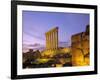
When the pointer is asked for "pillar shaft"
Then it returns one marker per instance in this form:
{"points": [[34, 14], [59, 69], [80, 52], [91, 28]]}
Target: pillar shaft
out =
{"points": [[52, 39]]}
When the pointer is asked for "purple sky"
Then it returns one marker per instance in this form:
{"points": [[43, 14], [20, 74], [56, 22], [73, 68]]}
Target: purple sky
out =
{"points": [[35, 24]]}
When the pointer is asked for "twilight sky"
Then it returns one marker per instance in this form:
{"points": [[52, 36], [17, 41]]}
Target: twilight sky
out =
{"points": [[35, 24]]}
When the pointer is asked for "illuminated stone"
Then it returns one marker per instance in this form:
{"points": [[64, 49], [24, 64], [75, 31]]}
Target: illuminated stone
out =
{"points": [[80, 48], [52, 39]]}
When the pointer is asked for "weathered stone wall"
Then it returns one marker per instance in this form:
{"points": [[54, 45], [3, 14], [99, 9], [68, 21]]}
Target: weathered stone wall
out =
{"points": [[80, 48]]}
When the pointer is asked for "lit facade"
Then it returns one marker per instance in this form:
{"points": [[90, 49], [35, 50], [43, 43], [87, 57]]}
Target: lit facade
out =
{"points": [[80, 48]]}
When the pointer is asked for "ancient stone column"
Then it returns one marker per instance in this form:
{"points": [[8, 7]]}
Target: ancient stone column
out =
{"points": [[50, 36], [52, 39], [53, 43], [49, 40], [56, 38], [46, 41]]}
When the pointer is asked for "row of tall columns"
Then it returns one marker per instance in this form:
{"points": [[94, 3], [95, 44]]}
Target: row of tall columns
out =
{"points": [[52, 39]]}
